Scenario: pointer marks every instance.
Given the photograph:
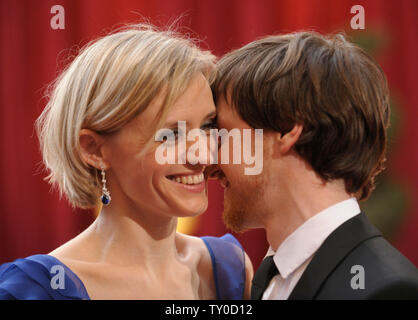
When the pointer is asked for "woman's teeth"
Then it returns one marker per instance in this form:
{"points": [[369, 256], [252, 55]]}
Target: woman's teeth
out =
{"points": [[189, 179]]}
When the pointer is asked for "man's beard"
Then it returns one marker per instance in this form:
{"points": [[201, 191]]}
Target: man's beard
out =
{"points": [[243, 204]]}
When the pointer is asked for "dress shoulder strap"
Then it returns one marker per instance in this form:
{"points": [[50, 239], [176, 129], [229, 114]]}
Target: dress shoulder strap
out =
{"points": [[228, 263]]}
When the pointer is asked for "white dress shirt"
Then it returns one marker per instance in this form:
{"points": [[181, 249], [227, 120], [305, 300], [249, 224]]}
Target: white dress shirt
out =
{"points": [[297, 250]]}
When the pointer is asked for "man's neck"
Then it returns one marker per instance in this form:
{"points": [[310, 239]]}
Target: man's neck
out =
{"points": [[302, 202]]}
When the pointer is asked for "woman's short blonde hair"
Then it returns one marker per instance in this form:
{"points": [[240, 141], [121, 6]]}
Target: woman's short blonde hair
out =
{"points": [[110, 82]]}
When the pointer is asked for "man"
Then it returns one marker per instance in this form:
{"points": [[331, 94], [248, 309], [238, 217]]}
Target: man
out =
{"points": [[324, 107]]}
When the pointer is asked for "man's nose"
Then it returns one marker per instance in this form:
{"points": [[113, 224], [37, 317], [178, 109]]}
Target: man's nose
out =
{"points": [[198, 167]]}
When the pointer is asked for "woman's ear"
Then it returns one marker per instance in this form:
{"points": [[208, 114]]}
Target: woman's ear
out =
{"points": [[91, 148], [288, 140]]}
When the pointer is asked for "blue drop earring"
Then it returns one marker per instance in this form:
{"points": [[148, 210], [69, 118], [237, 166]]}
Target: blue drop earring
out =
{"points": [[105, 193]]}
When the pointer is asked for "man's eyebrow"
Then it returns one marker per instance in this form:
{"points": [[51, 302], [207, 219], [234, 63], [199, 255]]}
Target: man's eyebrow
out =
{"points": [[172, 124]]}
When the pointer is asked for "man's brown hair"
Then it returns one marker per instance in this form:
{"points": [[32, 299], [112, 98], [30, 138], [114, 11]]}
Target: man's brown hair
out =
{"points": [[331, 86]]}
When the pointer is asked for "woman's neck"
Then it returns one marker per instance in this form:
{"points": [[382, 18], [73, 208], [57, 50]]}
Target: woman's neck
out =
{"points": [[130, 238]]}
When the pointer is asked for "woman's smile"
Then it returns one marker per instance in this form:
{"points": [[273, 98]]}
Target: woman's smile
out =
{"points": [[192, 181]]}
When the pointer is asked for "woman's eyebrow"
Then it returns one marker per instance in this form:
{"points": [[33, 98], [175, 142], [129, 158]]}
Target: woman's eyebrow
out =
{"points": [[171, 124], [210, 115]]}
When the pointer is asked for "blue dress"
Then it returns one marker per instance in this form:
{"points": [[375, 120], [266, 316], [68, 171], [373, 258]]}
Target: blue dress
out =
{"points": [[37, 277]]}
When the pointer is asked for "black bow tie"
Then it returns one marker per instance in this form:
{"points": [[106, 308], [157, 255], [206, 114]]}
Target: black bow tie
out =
{"points": [[265, 272]]}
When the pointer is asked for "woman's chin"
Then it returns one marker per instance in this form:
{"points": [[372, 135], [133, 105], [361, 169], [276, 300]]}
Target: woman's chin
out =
{"points": [[191, 210], [185, 200]]}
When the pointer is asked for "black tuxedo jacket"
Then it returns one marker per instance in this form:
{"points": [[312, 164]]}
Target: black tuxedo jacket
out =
{"points": [[387, 273]]}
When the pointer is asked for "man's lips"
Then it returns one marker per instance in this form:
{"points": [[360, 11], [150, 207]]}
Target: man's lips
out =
{"points": [[216, 173], [224, 182]]}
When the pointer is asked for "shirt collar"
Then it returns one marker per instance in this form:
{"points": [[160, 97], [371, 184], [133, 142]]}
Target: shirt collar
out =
{"points": [[300, 245]]}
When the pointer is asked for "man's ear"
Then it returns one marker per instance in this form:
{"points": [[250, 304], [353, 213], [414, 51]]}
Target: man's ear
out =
{"points": [[90, 148], [288, 140]]}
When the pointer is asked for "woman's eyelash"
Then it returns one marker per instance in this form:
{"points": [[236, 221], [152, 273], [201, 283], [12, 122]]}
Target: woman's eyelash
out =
{"points": [[163, 136], [176, 133], [211, 124]]}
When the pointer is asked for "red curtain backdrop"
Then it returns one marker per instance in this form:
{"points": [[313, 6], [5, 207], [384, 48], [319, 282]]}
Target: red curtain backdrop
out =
{"points": [[33, 219]]}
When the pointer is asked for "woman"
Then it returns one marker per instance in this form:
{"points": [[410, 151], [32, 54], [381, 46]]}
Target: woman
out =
{"points": [[97, 137]]}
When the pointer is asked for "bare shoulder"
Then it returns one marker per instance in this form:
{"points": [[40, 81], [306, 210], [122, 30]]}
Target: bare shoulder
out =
{"points": [[192, 245], [80, 258], [195, 249], [70, 256]]}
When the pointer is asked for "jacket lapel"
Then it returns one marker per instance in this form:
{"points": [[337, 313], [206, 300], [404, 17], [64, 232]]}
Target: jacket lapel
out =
{"points": [[338, 244]]}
